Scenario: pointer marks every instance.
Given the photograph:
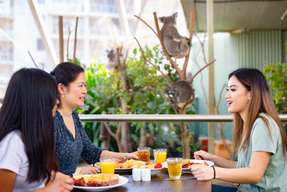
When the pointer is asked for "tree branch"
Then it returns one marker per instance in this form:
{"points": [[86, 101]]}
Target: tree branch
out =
{"points": [[191, 30], [148, 62], [109, 130], [139, 18], [202, 69], [115, 136]]}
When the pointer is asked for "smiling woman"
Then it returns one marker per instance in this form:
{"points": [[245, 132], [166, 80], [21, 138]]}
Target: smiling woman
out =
{"points": [[260, 140], [72, 142]]}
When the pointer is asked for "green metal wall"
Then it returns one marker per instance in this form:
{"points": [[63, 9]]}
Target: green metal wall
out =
{"points": [[256, 49]]}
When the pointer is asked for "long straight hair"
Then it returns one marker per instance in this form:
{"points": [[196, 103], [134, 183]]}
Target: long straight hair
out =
{"points": [[261, 102], [27, 107]]}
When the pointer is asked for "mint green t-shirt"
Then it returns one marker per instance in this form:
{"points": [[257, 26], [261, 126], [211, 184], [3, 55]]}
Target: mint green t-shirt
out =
{"points": [[268, 140]]}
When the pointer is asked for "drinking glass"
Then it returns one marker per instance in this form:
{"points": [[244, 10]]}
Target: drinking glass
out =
{"points": [[159, 155], [108, 166], [174, 166], [144, 153]]}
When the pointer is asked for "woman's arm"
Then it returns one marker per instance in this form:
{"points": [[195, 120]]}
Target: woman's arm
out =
{"points": [[219, 161], [251, 175], [60, 182], [7, 180]]}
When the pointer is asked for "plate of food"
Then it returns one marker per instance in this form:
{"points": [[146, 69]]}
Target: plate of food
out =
{"points": [[98, 182], [186, 163], [128, 165]]}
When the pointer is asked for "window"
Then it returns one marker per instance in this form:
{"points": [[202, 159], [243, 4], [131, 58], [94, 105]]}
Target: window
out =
{"points": [[40, 45]]}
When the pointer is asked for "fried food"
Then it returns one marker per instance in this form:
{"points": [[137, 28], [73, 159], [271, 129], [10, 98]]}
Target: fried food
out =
{"points": [[131, 163], [96, 180]]}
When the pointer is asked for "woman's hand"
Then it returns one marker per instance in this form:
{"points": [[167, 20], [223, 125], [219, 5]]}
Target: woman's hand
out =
{"points": [[203, 155], [87, 170], [61, 183], [133, 155], [202, 172], [125, 156]]}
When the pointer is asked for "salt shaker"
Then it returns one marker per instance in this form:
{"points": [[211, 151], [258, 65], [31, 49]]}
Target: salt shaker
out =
{"points": [[146, 174], [136, 174]]}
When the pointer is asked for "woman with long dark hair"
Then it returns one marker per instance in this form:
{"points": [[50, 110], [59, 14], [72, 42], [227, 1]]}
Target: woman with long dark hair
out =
{"points": [[72, 142], [27, 155], [259, 138]]}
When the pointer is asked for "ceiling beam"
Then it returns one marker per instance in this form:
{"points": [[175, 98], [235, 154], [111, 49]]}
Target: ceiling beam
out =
{"points": [[43, 31]]}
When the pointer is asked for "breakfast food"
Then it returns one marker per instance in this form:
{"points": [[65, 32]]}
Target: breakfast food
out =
{"points": [[131, 163], [96, 180]]}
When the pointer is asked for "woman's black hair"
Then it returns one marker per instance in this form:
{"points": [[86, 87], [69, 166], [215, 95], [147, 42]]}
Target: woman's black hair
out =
{"points": [[66, 72], [27, 107]]}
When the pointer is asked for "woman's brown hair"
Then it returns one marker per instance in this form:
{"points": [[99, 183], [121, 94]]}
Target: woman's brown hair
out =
{"points": [[261, 102]]}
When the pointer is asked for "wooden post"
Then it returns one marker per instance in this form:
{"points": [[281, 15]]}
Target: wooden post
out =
{"points": [[211, 93], [75, 39], [61, 39]]}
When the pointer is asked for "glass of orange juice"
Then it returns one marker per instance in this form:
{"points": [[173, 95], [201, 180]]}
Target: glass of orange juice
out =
{"points": [[174, 166], [159, 155], [144, 153], [108, 166]]}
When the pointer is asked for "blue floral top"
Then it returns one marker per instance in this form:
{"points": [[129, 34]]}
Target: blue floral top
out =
{"points": [[70, 150]]}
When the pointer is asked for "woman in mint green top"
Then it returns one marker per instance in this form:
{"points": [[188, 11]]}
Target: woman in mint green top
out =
{"points": [[259, 138]]}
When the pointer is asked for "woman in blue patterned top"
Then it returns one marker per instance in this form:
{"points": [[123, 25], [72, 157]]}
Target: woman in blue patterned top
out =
{"points": [[72, 142]]}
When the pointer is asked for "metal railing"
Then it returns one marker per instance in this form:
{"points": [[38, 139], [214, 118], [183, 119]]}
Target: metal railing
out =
{"points": [[167, 118], [161, 117]]}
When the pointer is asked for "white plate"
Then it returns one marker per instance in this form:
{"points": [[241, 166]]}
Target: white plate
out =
{"points": [[209, 163], [122, 181]]}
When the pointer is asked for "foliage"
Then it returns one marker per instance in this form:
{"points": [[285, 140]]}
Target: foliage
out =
{"points": [[147, 95], [276, 75]]}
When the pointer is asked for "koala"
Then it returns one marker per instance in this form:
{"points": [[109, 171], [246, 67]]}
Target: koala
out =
{"points": [[177, 46], [114, 61], [181, 93]]}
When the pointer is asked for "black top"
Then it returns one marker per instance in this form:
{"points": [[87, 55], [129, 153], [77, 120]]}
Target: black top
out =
{"points": [[70, 151]]}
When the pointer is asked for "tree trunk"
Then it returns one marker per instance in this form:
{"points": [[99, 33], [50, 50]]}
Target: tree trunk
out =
{"points": [[142, 137], [105, 137], [185, 138], [125, 130]]}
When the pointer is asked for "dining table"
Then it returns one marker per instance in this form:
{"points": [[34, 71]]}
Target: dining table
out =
{"points": [[160, 182]]}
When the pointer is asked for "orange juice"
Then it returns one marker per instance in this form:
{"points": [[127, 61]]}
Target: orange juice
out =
{"points": [[108, 167], [159, 155], [174, 166]]}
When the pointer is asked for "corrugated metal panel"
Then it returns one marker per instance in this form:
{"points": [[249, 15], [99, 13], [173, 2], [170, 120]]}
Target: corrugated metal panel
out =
{"points": [[257, 49]]}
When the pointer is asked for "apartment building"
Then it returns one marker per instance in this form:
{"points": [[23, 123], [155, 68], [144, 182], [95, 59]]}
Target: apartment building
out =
{"points": [[103, 24]]}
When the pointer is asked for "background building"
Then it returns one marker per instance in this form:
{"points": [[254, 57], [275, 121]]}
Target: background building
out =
{"points": [[103, 24]]}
